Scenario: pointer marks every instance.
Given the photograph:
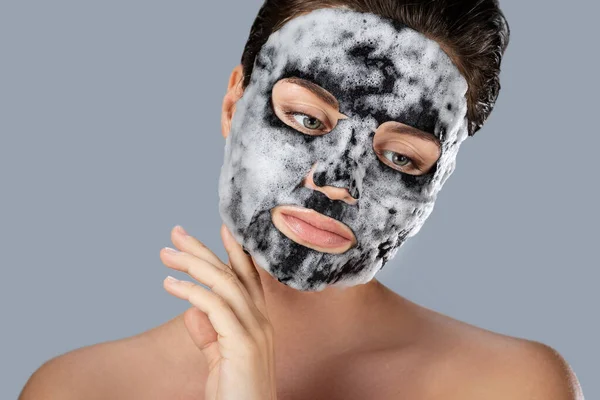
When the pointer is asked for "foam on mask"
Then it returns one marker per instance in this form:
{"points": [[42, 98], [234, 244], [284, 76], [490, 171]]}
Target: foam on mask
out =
{"points": [[379, 70]]}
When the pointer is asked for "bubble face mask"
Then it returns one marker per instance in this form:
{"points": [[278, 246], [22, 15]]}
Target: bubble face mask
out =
{"points": [[378, 70]]}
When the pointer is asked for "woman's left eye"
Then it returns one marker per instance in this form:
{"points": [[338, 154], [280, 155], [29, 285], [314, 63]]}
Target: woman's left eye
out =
{"points": [[308, 121], [398, 159]]}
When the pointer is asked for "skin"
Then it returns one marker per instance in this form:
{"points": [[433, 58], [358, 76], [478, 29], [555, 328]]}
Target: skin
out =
{"points": [[357, 342]]}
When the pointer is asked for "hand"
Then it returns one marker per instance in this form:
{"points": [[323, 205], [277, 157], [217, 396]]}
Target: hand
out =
{"points": [[229, 323]]}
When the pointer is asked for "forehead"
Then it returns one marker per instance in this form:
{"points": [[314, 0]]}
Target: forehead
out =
{"points": [[374, 66]]}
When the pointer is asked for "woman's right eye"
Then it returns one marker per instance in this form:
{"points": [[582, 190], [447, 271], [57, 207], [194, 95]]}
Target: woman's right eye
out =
{"points": [[306, 121], [398, 159], [401, 162]]}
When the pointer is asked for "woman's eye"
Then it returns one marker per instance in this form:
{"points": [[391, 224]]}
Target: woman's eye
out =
{"points": [[397, 158], [307, 121]]}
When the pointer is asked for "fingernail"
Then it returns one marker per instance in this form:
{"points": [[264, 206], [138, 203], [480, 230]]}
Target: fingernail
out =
{"points": [[181, 230], [170, 250], [172, 280]]}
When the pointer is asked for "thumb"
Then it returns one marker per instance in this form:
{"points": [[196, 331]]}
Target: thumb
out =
{"points": [[203, 335]]}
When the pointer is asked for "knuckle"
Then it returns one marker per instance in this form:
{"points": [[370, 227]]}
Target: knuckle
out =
{"points": [[254, 277], [225, 283], [229, 274], [220, 302], [229, 278]]}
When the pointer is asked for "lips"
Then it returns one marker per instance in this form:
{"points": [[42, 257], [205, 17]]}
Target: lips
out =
{"points": [[313, 229]]}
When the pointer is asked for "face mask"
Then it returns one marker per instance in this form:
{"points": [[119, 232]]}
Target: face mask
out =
{"points": [[378, 70]]}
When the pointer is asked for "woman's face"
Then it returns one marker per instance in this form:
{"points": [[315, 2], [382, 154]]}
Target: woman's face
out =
{"points": [[351, 116]]}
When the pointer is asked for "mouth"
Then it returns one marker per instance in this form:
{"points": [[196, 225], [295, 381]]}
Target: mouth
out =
{"points": [[312, 229]]}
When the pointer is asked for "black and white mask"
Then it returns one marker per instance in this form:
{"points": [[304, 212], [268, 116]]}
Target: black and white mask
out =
{"points": [[370, 78]]}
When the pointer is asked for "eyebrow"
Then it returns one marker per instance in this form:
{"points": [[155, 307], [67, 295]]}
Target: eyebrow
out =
{"points": [[407, 129], [317, 90]]}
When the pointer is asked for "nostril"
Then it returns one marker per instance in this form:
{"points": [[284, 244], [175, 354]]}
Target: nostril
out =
{"points": [[308, 180], [319, 179]]}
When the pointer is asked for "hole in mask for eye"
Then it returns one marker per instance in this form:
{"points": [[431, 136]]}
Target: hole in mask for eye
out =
{"points": [[402, 163], [406, 149], [306, 121], [305, 106], [398, 159]]}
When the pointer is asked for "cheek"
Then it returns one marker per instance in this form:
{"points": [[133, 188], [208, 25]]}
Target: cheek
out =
{"points": [[389, 207], [389, 215], [269, 159]]}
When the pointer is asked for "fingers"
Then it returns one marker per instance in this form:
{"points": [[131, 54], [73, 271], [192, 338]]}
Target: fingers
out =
{"points": [[199, 327], [221, 316], [203, 335], [245, 269], [227, 294], [190, 244]]}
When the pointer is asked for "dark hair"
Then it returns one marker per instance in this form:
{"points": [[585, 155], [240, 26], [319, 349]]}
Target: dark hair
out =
{"points": [[474, 33]]}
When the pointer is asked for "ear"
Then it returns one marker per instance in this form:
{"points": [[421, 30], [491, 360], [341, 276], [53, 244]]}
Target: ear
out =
{"points": [[234, 93]]}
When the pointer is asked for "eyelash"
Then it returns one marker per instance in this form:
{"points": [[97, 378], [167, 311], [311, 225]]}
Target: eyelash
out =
{"points": [[290, 115], [411, 161]]}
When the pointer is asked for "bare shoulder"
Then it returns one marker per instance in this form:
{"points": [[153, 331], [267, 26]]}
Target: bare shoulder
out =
{"points": [[526, 369], [536, 371], [158, 363], [71, 375], [90, 372], [467, 362]]}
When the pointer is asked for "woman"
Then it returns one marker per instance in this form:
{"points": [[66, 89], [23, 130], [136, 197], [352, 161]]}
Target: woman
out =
{"points": [[342, 123]]}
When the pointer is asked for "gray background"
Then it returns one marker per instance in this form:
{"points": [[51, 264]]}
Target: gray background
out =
{"points": [[110, 136]]}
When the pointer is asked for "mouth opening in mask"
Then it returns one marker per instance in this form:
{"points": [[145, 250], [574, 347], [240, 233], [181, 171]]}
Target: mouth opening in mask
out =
{"points": [[313, 229]]}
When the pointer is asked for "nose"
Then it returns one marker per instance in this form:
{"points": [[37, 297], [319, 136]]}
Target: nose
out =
{"points": [[333, 192]]}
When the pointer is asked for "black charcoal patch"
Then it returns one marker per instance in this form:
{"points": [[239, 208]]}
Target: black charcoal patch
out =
{"points": [[379, 70]]}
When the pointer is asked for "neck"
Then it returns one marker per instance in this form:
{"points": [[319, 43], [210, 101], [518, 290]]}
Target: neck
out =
{"points": [[334, 319]]}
